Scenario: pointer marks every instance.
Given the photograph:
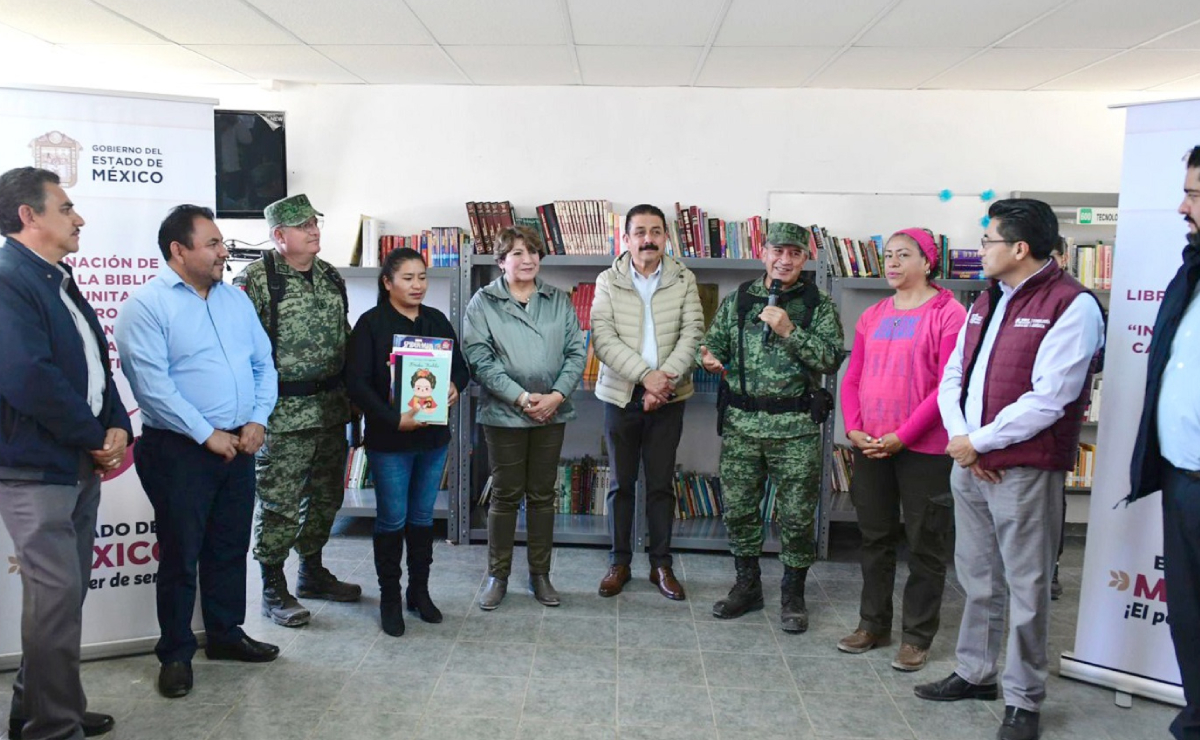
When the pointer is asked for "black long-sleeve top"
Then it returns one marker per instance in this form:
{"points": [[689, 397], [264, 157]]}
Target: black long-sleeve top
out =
{"points": [[368, 375]]}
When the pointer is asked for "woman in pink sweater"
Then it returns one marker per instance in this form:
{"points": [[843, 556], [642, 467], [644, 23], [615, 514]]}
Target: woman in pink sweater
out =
{"points": [[889, 406]]}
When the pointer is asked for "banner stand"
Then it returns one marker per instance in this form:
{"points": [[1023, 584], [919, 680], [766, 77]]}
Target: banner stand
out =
{"points": [[1125, 684]]}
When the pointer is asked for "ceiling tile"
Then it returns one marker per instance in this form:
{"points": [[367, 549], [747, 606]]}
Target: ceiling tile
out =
{"points": [[1106, 24], [930, 23], [395, 65], [349, 22], [1189, 86], [1187, 38], [488, 22], [1137, 70], [771, 66], [157, 60], [516, 65], [883, 69], [1014, 69], [208, 22], [286, 63], [72, 22], [791, 23], [641, 23], [638, 66]]}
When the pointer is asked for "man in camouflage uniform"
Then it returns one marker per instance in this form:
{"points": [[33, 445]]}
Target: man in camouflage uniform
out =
{"points": [[768, 425], [299, 468]]}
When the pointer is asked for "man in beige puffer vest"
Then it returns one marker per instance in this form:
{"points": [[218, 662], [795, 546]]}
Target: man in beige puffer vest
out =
{"points": [[647, 323]]}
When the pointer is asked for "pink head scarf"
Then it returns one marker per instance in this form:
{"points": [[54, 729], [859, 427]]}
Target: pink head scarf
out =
{"points": [[928, 247]]}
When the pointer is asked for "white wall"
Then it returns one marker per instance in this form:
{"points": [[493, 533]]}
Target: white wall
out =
{"points": [[414, 155]]}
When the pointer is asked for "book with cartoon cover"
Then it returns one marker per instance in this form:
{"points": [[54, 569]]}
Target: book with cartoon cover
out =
{"points": [[420, 370]]}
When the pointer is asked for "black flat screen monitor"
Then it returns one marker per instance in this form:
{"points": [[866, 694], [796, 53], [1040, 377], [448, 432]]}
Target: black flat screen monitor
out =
{"points": [[251, 161]]}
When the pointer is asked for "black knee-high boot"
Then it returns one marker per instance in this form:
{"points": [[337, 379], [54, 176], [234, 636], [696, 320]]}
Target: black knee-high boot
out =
{"points": [[389, 550], [420, 557]]}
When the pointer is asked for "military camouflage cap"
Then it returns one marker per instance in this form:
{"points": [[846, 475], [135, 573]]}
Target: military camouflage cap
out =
{"points": [[782, 233], [291, 211]]}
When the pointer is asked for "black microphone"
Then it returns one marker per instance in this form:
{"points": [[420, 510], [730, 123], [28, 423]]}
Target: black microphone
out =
{"points": [[772, 299]]}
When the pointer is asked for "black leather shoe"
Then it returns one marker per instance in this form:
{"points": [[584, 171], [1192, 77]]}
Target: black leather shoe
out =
{"points": [[247, 650], [94, 724], [1018, 724], [955, 687], [175, 679]]}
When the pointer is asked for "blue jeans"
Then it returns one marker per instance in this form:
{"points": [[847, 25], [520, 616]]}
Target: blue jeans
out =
{"points": [[406, 487]]}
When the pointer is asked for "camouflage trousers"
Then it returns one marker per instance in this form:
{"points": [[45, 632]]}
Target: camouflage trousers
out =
{"points": [[794, 465], [300, 489]]}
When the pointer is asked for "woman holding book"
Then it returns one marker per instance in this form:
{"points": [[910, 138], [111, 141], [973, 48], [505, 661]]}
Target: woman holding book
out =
{"points": [[407, 456], [525, 347], [889, 406]]}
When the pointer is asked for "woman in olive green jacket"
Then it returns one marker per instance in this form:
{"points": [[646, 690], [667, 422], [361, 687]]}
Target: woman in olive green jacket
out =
{"points": [[522, 340]]}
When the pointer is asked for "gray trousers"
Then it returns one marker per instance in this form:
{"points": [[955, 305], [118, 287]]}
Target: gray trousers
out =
{"points": [[1007, 540], [52, 528]]}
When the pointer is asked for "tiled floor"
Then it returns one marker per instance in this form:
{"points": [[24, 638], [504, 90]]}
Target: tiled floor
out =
{"points": [[635, 666]]}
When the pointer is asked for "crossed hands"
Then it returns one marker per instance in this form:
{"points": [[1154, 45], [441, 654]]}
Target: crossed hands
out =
{"points": [[876, 448], [964, 453], [109, 456], [660, 386], [228, 446]]}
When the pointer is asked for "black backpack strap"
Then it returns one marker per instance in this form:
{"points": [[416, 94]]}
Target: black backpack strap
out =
{"points": [[336, 278], [745, 302], [275, 290]]}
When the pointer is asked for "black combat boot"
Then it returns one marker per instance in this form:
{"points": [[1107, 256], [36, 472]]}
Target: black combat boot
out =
{"points": [[316, 582], [746, 594], [277, 603], [794, 613], [389, 550], [420, 557]]}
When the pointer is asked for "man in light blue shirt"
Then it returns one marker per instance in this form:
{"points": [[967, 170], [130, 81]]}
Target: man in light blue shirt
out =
{"points": [[199, 364]]}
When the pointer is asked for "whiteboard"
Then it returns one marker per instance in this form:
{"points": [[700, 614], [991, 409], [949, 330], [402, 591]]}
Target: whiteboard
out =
{"points": [[860, 215]]}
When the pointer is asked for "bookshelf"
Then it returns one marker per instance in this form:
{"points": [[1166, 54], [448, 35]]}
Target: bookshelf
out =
{"points": [[444, 294], [699, 448]]}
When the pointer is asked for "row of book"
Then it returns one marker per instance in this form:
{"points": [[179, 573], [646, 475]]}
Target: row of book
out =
{"points": [[582, 487], [1091, 412], [694, 233], [1085, 467], [358, 473], [440, 246], [487, 219], [864, 258], [1092, 264]]}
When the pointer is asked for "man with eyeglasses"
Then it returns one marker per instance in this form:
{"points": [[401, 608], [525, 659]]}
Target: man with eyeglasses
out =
{"points": [[1012, 399], [301, 301]]}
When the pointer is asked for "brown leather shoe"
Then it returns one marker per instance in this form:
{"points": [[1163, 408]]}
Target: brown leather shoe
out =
{"points": [[667, 585], [862, 641], [910, 658], [614, 580]]}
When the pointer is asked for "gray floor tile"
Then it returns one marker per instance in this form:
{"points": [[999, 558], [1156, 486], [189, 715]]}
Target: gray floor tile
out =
{"points": [[661, 667], [735, 636], [940, 720], [846, 674], [650, 606], [355, 723], [407, 654], [277, 721], [122, 678], [172, 720], [550, 730], [450, 727], [491, 659], [496, 627], [575, 663], [386, 691], [223, 682], [480, 696], [658, 634], [856, 716], [575, 702], [663, 706], [301, 686], [749, 708], [567, 628], [746, 670], [653, 732], [339, 650]]}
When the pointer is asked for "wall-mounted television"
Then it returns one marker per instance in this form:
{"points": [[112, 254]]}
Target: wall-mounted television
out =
{"points": [[251, 161]]}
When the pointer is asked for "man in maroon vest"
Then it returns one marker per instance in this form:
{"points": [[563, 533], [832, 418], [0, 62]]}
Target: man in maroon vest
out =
{"points": [[1012, 402]]}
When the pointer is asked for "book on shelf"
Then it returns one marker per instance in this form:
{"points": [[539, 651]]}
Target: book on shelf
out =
{"points": [[582, 486], [849, 257], [1091, 264], [699, 496], [366, 247], [487, 219], [357, 473], [1092, 412], [1085, 465], [705, 382], [420, 377], [439, 246], [694, 233]]}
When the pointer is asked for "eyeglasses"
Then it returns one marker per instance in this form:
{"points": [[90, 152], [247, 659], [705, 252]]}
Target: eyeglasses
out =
{"points": [[312, 224], [985, 241]]}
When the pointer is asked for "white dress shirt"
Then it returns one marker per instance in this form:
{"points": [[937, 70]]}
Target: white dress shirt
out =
{"points": [[1059, 371], [1178, 402], [645, 286]]}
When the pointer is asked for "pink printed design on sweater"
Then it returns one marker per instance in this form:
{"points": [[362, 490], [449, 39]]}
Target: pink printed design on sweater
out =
{"points": [[895, 366]]}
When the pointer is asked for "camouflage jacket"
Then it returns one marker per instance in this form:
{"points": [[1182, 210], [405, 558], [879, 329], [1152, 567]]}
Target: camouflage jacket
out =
{"points": [[784, 368], [311, 345]]}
